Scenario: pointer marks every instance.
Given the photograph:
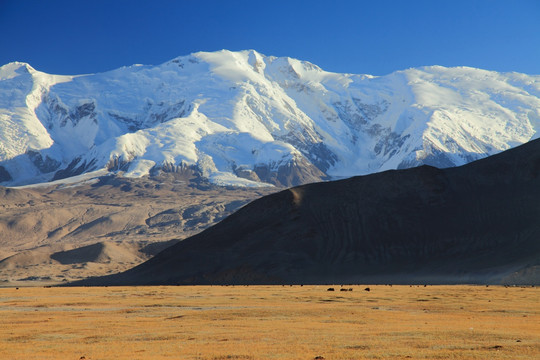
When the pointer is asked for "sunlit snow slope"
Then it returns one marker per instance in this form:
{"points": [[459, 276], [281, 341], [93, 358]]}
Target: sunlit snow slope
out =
{"points": [[242, 118]]}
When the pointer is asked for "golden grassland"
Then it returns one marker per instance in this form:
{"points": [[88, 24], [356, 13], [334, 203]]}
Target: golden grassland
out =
{"points": [[270, 322]]}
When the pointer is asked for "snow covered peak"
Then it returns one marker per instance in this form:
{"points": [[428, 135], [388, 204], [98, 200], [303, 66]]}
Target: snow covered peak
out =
{"points": [[15, 69], [247, 119]]}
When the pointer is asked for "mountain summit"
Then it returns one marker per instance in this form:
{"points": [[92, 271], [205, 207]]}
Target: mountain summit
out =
{"points": [[242, 118]]}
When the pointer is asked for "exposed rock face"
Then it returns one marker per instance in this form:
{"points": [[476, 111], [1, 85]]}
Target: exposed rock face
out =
{"points": [[45, 165], [76, 167], [473, 224], [297, 171]]}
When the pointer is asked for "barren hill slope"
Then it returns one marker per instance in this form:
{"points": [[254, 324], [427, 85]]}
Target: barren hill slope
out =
{"points": [[64, 232]]}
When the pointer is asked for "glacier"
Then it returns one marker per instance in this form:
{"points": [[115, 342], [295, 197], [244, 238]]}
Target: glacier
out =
{"points": [[246, 119]]}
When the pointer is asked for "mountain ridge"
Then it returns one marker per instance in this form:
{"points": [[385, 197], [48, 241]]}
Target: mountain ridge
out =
{"points": [[246, 119]]}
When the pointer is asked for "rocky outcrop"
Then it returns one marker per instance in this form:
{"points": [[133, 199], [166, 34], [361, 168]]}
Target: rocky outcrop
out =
{"points": [[76, 167], [45, 165], [296, 172]]}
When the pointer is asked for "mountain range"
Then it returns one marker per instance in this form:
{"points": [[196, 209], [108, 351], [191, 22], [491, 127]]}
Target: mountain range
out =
{"points": [[99, 172], [246, 119]]}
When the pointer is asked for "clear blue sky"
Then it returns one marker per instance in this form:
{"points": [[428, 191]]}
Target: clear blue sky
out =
{"points": [[370, 37]]}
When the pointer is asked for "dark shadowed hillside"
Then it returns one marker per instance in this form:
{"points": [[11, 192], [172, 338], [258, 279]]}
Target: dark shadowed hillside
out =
{"points": [[479, 223]]}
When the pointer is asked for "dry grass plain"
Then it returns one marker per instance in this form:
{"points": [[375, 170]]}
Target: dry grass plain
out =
{"points": [[270, 322]]}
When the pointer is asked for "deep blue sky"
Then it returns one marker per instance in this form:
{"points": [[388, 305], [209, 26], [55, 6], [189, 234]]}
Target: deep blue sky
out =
{"points": [[371, 37]]}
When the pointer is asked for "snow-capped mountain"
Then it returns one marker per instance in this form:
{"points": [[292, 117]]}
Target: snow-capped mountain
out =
{"points": [[242, 118]]}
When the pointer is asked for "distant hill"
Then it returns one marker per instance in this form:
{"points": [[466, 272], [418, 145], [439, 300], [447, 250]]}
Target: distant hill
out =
{"points": [[478, 223]]}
